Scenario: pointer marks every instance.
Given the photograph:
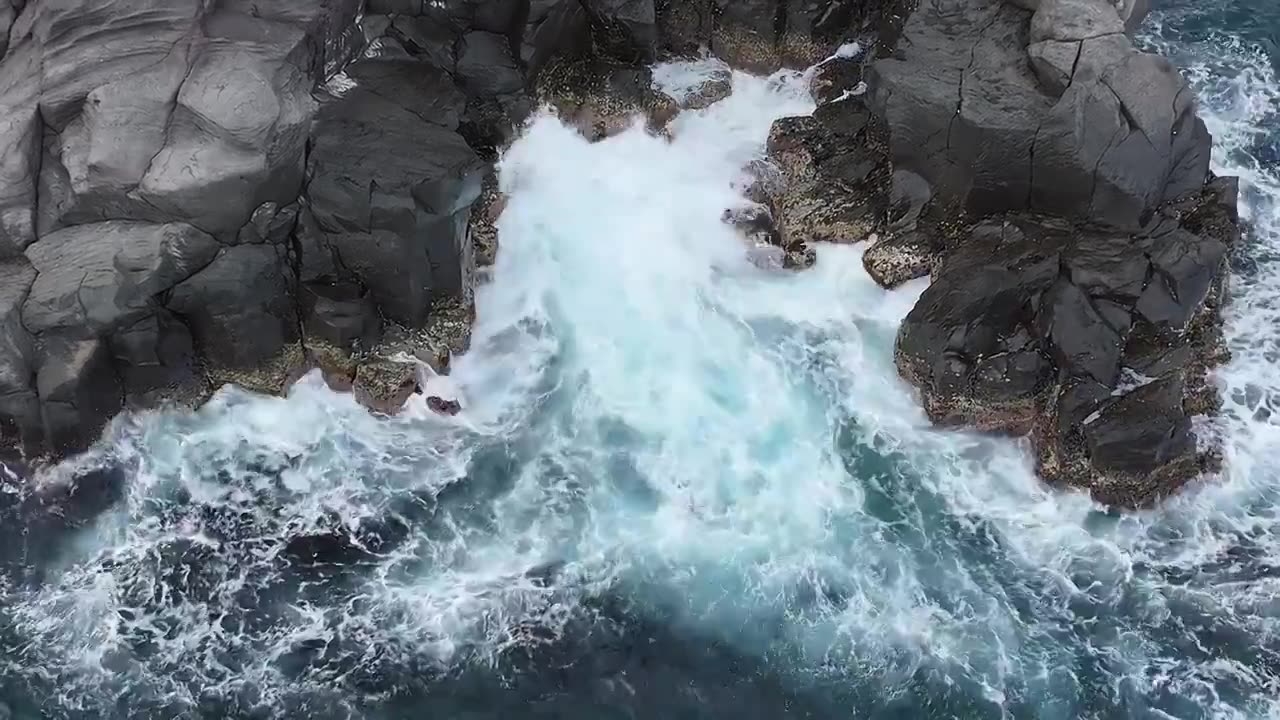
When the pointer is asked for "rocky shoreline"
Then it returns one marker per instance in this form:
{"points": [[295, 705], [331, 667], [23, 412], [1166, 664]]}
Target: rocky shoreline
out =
{"points": [[193, 194]]}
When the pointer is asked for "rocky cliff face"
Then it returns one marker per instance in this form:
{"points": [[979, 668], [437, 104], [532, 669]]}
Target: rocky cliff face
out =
{"points": [[197, 191]]}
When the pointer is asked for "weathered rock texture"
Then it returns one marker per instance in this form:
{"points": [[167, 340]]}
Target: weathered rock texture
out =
{"points": [[1054, 181], [194, 192], [154, 158]]}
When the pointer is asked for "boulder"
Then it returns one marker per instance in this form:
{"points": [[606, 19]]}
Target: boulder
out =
{"points": [[1185, 268], [555, 28], [1094, 339], [765, 247], [893, 259], [1085, 338], [18, 406], [78, 389], [828, 189], [103, 154], [442, 406], [972, 342], [1143, 428], [384, 385], [486, 67], [221, 160], [602, 99], [161, 111], [999, 109]]}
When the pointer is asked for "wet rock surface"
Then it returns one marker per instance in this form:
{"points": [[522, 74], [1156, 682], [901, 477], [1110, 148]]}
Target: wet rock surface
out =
{"points": [[223, 194], [1053, 181]]}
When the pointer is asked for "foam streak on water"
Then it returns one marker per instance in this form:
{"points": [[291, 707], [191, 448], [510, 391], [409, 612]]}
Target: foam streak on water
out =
{"points": [[682, 486]]}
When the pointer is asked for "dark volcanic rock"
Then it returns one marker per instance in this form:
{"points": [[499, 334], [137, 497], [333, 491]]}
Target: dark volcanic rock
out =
{"points": [[625, 30], [94, 278], [829, 174], [19, 407], [443, 406], [78, 389], [1054, 111], [972, 341], [1035, 324], [341, 313], [602, 99], [395, 220], [556, 28]]}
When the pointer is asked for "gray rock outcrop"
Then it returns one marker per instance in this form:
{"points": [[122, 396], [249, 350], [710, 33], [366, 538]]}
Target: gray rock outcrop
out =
{"points": [[1052, 111], [196, 192], [1054, 181]]}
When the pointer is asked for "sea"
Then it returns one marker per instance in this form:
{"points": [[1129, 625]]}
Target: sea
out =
{"points": [[682, 487]]}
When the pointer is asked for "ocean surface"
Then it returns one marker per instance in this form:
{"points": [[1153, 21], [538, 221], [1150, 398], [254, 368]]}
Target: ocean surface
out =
{"points": [[682, 487]]}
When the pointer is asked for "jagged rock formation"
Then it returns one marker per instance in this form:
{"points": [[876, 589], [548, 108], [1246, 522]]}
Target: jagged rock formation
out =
{"points": [[1054, 181]]}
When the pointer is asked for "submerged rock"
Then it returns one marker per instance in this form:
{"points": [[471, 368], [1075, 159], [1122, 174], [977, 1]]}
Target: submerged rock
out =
{"points": [[443, 406], [716, 87]]}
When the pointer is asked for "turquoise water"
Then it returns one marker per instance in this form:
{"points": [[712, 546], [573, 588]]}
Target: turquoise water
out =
{"points": [[681, 487]]}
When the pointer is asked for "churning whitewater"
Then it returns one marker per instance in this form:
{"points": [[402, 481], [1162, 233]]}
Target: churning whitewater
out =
{"points": [[682, 486]]}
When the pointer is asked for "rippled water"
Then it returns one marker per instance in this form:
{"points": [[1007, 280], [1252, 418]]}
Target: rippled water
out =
{"points": [[682, 486]]}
